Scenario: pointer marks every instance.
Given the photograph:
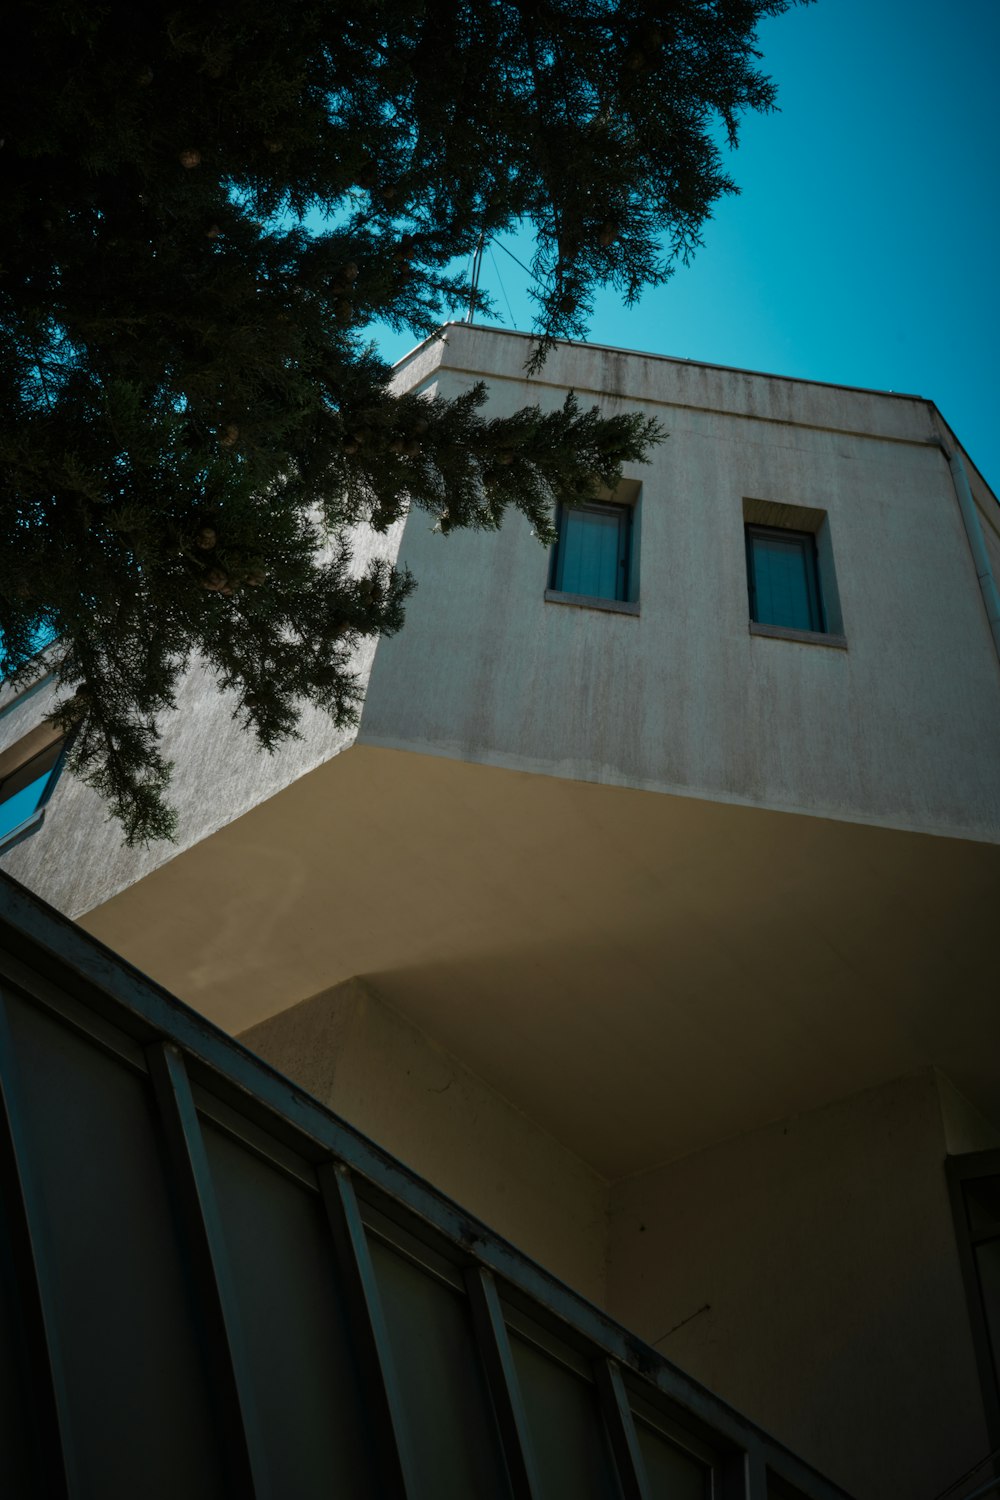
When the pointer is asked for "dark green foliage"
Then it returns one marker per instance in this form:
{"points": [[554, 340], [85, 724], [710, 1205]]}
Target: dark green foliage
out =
{"points": [[203, 205]]}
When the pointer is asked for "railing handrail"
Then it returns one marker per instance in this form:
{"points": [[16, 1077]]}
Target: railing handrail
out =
{"points": [[37, 944]]}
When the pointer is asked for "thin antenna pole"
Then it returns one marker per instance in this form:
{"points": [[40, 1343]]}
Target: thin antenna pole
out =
{"points": [[477, 266]]}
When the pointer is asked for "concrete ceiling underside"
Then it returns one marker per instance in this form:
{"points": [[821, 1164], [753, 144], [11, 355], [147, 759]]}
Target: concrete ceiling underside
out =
{"points": [[641, 974]]}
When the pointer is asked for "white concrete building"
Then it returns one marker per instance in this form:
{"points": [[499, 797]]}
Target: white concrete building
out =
{"points": [[651, 909]]}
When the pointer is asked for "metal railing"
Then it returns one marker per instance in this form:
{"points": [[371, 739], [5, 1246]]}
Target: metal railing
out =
{"points": [[210, 1285]]}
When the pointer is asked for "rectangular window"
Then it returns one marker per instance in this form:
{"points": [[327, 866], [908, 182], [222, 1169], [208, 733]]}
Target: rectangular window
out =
{"points": [[592, 554], [25, 789], [783, 576]]}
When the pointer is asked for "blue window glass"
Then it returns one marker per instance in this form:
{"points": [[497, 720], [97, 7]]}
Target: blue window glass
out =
{"points": [[592, 553], [784, 578], [26, 789]]}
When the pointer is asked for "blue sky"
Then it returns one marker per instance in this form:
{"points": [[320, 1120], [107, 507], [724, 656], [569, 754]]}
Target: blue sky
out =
{"points": [[864, 248]]}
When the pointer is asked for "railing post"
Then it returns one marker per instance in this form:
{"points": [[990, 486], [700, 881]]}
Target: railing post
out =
{"points": [[191, 1180], [756, 1475], [501, 1377], [363, 1303], [621, 1430], [46, 1385]]}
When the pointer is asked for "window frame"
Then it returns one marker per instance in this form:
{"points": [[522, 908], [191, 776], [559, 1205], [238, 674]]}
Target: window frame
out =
{"points": [[623, 599], [779, 515], [814, 585], [17, 767], [970, 1167]]}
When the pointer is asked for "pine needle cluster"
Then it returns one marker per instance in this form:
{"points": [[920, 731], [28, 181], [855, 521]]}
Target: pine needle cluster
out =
{"points": [[204, 206]]}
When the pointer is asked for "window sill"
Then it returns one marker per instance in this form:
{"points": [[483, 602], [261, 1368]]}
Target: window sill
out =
{"points": [[806, 637], [585, 601]]}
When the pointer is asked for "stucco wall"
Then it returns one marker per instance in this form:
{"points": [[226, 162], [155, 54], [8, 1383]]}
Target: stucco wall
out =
{"points": [[902, 728], [77, 859], [824, 1250], [378, 1071]]}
